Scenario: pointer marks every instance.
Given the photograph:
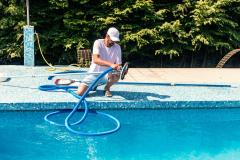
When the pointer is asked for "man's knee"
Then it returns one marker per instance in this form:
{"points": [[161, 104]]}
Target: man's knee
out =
{"points": [[81, 89], [114, 78]]}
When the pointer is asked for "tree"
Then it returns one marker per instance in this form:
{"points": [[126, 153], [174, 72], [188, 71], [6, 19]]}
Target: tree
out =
{"points": [[187, 32]]}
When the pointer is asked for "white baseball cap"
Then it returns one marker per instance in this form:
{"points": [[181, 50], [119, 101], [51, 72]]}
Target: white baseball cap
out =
{"points": [[113, 34]]}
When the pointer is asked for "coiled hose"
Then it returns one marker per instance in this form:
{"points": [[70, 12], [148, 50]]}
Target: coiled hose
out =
{"points": [[82, 103]]}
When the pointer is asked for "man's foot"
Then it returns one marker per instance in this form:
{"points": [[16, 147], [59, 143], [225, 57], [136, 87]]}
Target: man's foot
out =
{"points": [[108, 93]]}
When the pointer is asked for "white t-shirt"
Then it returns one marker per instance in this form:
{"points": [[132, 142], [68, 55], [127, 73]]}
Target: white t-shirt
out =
{"points": [[112, 54]]}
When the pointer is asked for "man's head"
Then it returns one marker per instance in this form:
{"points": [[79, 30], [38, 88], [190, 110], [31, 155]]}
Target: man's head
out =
{"points": [[112, 36]]}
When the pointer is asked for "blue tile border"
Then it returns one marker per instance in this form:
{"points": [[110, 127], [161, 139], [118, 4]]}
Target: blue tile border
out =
{"points": [[121, 105]]}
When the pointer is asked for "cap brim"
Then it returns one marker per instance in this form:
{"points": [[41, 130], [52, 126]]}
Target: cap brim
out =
{"points": [[115, 39]]}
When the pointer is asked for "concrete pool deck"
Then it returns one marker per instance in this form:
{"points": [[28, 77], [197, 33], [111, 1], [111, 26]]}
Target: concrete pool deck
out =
{"points": [[180, 88]]}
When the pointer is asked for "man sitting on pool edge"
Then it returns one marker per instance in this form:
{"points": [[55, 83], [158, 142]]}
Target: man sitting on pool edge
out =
{"points": [[106, 53]]}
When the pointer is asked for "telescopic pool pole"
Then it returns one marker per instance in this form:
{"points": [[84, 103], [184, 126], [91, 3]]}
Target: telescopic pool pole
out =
{"points": [[28, 34]]}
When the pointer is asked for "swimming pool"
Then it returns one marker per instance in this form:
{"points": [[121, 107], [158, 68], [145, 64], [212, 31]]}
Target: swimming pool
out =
{"points": [[166, 134]]}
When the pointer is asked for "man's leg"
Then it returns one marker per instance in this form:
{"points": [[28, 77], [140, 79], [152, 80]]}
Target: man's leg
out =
{"points": [[81, 89], [83, 86], [112, 78]]}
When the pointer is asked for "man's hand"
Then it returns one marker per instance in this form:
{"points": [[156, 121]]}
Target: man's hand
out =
{"points": [[116, 66]]}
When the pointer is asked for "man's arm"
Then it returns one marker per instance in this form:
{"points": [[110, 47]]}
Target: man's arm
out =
{"points": [[97, 59]]}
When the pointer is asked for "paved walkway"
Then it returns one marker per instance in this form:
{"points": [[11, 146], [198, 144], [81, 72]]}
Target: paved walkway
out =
{"points": [[168, 75], [184, 75], [21, 91]]}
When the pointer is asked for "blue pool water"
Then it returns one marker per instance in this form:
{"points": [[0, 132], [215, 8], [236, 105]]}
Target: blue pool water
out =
{"points": [[190, 134]]}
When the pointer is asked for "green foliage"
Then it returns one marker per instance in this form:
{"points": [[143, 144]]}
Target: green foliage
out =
{"points": [[212, 26], [11, 24], [148, 27]]}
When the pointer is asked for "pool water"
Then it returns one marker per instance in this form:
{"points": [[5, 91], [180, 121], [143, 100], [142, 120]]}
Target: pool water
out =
{"points": [[182, 134]]}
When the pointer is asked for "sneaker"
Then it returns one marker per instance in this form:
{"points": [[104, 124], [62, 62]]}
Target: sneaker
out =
{"points": [[108, 93]]}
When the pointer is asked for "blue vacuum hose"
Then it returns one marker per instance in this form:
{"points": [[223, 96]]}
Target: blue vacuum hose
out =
{"points": [[82, 103]]}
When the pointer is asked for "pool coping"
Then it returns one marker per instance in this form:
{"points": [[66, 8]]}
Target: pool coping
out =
{"points": [[183, 93]]}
